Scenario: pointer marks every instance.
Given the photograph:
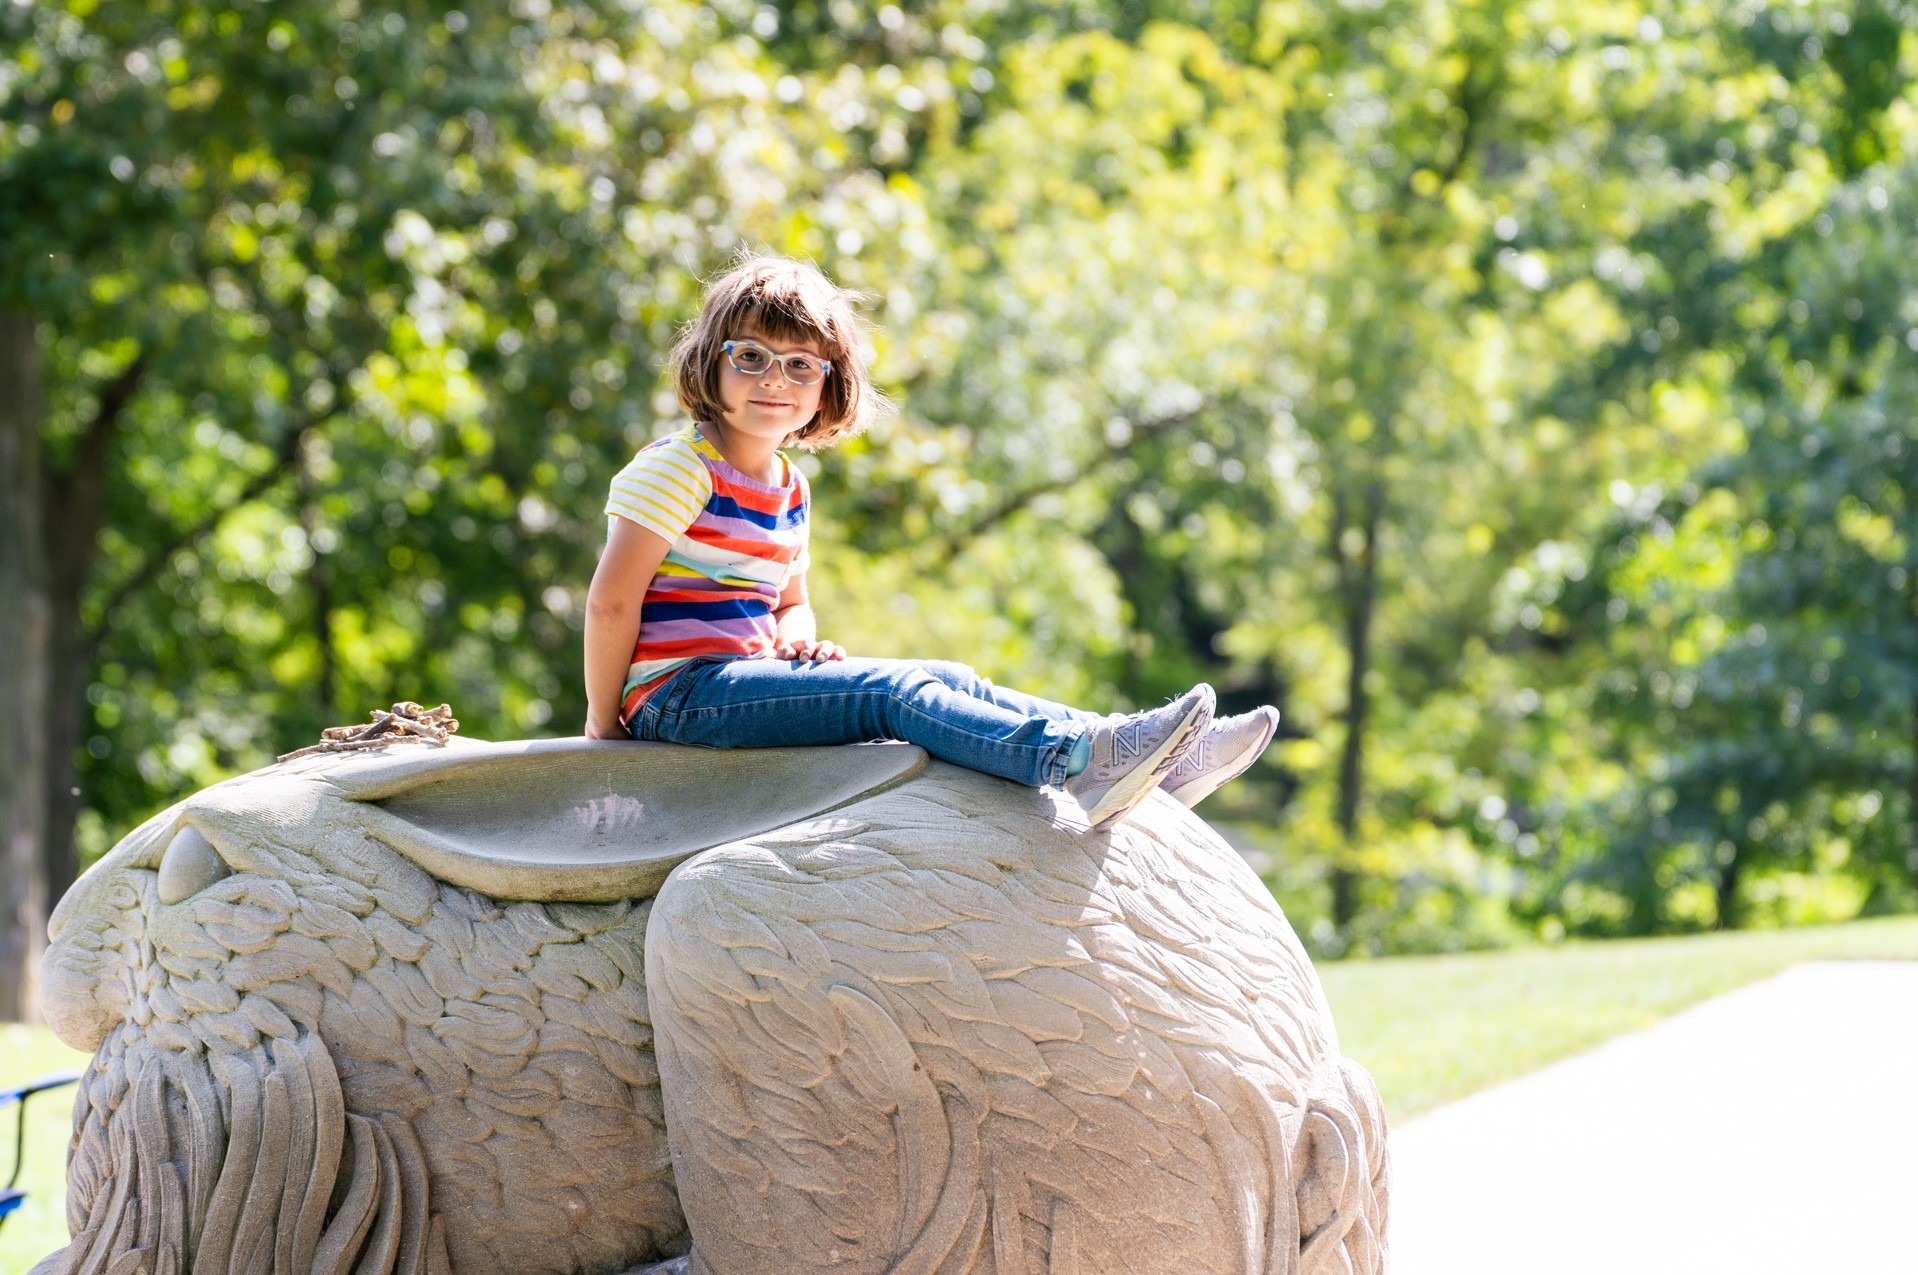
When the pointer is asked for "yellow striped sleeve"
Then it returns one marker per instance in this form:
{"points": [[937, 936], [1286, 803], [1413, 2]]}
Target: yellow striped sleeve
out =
{"points": [[662, 489]]}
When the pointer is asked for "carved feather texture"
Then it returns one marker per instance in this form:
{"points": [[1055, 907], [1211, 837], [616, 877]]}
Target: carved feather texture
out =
{"points": [[477, 1078], [941, 1032]]}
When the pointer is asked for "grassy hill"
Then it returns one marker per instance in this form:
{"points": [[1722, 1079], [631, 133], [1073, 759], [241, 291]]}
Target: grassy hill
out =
{"points": [[1434, 1028]]}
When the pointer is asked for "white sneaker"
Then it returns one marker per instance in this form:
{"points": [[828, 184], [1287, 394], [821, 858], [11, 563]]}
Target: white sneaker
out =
{"points": [[1228, 746], [1132, 752]]}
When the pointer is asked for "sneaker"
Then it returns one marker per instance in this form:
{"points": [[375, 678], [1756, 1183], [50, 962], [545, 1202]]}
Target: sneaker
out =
{"points": [[1132, 752], [1228, 746]]}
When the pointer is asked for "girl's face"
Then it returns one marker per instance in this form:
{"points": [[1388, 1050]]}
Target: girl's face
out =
{"points": [[767, 405]]}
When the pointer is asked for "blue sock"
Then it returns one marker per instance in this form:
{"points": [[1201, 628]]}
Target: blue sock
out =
{"points": [[1081, 755]]}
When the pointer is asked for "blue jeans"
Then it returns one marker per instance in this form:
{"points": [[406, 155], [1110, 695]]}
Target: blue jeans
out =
{"points": [[945, 708]]}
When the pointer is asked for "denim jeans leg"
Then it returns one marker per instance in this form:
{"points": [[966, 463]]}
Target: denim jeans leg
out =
{"points": [[961, 678], [783, 704]]}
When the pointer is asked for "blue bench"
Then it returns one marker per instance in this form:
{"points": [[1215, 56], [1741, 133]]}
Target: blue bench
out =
{"points": [[12, 1195]]}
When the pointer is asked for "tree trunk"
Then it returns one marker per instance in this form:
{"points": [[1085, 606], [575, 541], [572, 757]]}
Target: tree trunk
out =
{"points": [[320, 576], [1911, 802], [75, 508], [1727, 892], [1358, 589], [1911, 610], [66, 715], [25, 677]]}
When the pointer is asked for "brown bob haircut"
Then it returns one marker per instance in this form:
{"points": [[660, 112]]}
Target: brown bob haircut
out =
{"points": [[789, 302]]}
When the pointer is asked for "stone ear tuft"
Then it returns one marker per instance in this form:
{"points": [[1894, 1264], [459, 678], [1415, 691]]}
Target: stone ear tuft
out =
{"points": [[190, 865]]}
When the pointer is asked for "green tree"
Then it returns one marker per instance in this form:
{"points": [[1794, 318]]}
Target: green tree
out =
{"points": [[1427, 369], [1780, 699], [230, 236]]}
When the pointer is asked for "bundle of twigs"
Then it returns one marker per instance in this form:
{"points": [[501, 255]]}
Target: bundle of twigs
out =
{"points": [[407, 722]]}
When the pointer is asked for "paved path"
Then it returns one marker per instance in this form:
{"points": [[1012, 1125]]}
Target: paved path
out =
{"points": [[1772, 1130]]}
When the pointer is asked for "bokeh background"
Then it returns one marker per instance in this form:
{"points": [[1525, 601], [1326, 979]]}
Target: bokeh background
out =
{"points": [[1521, 394]]}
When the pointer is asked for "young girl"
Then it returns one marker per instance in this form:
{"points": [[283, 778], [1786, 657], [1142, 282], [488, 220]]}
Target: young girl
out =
{"points": [[698, 627]]}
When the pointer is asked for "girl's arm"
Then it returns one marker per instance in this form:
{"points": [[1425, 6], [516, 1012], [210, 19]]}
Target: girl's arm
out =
{"points": [[798, 628], [631, 560]]}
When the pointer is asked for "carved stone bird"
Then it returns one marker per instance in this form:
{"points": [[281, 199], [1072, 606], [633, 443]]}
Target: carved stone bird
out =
{"points": [[442, 1009]]}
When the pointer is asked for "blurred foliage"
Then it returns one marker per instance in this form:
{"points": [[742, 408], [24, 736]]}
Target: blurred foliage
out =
{"points": [[1521, 395]]}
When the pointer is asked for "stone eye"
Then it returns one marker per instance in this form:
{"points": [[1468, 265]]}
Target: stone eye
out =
{"points": [[190, 865]]}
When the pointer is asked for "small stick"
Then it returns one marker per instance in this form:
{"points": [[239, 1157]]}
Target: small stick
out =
{"points": [[407, 721]]}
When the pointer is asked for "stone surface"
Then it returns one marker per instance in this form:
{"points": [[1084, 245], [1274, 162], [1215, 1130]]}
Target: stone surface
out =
{"points": [[422, 1012], [1768, 1132]]}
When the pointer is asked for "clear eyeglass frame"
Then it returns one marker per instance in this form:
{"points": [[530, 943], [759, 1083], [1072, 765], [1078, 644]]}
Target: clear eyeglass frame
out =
{"points": [[799, 368]]}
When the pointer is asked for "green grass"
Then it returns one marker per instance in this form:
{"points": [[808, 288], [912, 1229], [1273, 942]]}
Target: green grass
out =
{"points": [[1434, 1028], [40, 1225], [1429, 1028]]}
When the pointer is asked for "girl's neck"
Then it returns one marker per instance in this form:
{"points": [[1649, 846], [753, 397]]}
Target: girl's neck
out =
{"points": [[757, 458]]}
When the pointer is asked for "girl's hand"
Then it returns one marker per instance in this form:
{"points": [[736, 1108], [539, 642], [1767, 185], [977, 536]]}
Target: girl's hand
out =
{"points": [[603, 730], [809, 651]]}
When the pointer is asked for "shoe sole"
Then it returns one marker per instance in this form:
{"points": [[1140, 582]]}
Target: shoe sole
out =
{"points": [[1119, 800], [1199, 787]]}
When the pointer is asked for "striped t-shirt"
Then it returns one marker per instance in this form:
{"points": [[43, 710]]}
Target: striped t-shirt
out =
{"points": [[735, 542]]}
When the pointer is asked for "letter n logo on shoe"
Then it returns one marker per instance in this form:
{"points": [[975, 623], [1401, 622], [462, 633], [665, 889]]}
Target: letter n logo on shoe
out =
{"points": [[1127, 742], [1197, 760]]}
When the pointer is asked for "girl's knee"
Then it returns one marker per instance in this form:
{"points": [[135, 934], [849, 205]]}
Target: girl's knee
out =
{"points": [[911, 692], [960, 677], [909, 684]]}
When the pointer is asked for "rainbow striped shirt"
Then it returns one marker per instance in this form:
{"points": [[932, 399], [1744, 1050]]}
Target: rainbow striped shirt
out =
{"points": [[735, 542]]}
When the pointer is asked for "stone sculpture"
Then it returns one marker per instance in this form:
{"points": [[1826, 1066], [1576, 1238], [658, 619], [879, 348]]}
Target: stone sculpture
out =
{"points": [[438, 1010]]}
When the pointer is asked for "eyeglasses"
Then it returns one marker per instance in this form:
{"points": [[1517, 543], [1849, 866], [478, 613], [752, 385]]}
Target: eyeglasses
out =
{"points": [[753, 359]]}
